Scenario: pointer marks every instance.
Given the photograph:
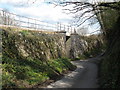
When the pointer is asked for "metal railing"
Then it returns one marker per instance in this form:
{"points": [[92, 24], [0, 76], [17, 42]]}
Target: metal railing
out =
{"points": [[7, 18]]}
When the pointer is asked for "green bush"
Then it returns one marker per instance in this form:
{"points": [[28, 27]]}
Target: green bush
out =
{"points": [[110, 65], [25, 71], [32, 71]]}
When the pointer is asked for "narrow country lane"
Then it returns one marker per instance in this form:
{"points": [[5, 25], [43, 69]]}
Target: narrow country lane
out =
{"points": [[85, 76]]}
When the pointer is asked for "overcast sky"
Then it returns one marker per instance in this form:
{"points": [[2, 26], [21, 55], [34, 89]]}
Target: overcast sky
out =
{"points": [[42, 11]]}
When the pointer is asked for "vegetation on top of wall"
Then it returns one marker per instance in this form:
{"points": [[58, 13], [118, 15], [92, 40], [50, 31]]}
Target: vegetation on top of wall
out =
{"points": [[28, 58], [34, 44], [95, 46], [83, 47]]}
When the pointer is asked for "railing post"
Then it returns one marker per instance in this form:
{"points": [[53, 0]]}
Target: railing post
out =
{"points": [[64, 27], [8, 18], [57, 26], [9, 21], [28, 23], [68, 29], [71, 29], [4, 18], [60, 26], [19, 21], [0, 17], [35, 24]]}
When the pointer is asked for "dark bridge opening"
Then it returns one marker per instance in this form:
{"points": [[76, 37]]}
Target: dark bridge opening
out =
{"points": [[67, 37]]}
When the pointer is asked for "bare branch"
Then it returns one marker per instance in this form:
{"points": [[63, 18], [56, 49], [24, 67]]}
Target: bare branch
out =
{"points": [[93, 9], [86, 20]]}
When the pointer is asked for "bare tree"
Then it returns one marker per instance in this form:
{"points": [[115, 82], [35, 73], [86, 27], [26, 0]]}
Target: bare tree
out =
{"points": [[85, 10]]}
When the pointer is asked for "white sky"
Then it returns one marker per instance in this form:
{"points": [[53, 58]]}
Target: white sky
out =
{"points": [[42, 11], [39, 10]]}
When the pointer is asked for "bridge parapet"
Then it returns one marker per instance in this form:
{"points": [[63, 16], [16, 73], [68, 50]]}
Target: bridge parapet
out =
{"points": [[11, 19]]}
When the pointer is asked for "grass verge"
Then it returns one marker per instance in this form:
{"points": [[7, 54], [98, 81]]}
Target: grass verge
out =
{"points": [[24, 73]]}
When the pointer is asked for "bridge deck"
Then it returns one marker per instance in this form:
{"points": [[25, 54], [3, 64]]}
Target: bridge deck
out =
{"points": [[29, 29]]}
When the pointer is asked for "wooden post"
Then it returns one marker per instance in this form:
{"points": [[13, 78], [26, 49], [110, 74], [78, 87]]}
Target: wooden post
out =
{"points": [[64, 27], [71, 29], [60, 26], [28, 23], [57, 26]]}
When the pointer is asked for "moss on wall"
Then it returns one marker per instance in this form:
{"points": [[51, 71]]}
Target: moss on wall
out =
{"points": [[82, 47], [33, 44], [30, 58]]}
